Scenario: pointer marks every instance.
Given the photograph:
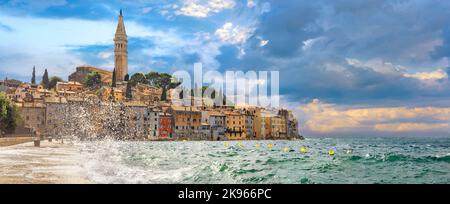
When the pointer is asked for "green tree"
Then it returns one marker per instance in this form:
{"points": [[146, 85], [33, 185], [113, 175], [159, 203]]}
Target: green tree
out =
{"points": [[53, 81], [138, 78], [93, 81], [166, 82], [9, 115], [45, 81], [114, 83], [33, 76], [153, 78], [163, 81], [127, 77]]}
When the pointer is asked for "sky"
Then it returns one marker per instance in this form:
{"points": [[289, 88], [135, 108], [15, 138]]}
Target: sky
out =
{"points": [[347, 67]]}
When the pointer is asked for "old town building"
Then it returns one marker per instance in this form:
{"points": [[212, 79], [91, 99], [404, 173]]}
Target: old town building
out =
{"points": [[33, 115], [187, 121], [146, 93], [235, 126], [166, 126], [81, 73]]}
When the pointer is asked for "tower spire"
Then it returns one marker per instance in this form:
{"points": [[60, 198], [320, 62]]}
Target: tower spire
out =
{"points": [[121, 12]]}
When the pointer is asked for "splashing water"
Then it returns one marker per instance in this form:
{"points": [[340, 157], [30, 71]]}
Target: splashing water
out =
{"points": [[93, 119]]}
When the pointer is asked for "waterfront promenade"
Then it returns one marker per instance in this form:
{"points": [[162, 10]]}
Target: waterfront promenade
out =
{"points": [[51, 163], [9, 141]]}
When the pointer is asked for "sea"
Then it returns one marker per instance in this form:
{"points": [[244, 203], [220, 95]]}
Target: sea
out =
{"points": [[384, 160]]}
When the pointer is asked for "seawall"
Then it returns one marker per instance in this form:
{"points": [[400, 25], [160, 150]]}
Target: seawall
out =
{"points": [[9, 141]]}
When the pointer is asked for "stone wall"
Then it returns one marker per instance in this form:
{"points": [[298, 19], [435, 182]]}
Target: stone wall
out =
{"points": [[10, 140]]}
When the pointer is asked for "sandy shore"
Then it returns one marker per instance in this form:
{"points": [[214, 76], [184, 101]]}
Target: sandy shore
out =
{"points": [[51, 163]]}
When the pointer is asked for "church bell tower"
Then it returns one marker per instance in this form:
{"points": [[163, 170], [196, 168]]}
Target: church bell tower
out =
{"points": [[121, 50]]}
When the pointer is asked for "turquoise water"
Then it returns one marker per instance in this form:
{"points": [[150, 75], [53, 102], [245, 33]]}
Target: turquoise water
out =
{"points": [[373, 160]]}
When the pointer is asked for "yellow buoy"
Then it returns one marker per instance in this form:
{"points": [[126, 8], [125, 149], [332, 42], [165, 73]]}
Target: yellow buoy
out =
{"points": [[286, 149], [331, 152], [303, 150], [257, 145], [240, 144], [225, 144], [270, 146]]}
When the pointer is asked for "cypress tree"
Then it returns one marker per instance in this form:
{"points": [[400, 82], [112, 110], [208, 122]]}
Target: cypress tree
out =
{"points": [[45, 80], [33, 77], [127, 77], [114, 78], [129, 94]]}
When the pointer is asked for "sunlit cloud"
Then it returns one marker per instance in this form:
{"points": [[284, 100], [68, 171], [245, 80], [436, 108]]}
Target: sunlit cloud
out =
{"points": [[329, 118], [202, 9], [434, 75], [234, 34]]}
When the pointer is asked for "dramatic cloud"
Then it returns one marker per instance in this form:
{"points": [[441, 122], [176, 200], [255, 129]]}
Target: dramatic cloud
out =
{"points": [[322, 118]]}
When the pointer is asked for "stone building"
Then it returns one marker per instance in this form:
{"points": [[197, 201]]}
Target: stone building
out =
{"points": [[30, 93], [291, 124], [187, 121], [151, 118], [136, 114], [69, 86], [217, 122], [33, 115], [108, 93], [235, 126], [11, 83], [249, 124], [146, 93], [55, 113], [81, 73]]}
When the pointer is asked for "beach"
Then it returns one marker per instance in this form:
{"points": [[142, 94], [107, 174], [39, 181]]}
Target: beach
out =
{"points": [[53, 162]]}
